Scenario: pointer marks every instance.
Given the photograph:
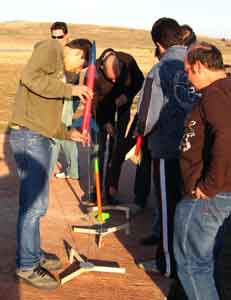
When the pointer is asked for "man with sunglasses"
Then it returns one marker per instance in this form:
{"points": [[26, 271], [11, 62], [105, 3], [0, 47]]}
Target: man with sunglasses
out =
{"points": [[118, 80], [59, 31], [70, 164]]}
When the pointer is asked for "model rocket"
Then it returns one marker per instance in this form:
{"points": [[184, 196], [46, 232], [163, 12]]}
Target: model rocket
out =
{"points": [[139, 142], [90, 83]]}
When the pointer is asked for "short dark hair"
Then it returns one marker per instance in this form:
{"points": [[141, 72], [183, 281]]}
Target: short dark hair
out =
{"points": [[188, 35], [167, 32], [59, 25], [157, 53], [83, 44], [208, 54]]}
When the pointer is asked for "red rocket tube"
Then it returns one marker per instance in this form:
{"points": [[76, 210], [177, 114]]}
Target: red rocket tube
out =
{"points": [[90, 84], [139, 142]]}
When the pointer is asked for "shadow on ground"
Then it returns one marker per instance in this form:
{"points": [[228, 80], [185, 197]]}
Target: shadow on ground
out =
{"points": [[9, 288]]}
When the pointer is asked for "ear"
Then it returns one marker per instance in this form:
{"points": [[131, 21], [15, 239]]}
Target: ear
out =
{"points": [[161, 48], [198, 66], [195, 67]]}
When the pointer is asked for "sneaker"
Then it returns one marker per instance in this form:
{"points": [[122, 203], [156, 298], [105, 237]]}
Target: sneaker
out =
{"points": [[150, 240], [38, 277], [149, 266], [50, 262], [62, 175]]}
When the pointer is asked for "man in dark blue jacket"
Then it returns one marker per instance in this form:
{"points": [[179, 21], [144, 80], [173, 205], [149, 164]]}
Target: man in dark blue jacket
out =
{"points": [[165, 100]]}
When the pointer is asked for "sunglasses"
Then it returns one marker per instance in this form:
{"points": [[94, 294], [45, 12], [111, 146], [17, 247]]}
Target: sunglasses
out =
{"points": [[59, 37]]}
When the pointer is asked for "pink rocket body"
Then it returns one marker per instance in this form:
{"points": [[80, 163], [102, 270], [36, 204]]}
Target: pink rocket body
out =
{"points": [[90, 84]]}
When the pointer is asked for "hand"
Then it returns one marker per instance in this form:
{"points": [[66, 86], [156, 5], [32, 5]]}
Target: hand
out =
{"points": [[198, 194], [82, 91], [109, 128], [121, 100], [76, 136]]}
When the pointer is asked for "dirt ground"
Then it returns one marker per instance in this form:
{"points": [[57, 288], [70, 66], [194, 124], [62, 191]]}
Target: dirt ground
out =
{"points": [[118, 249], [64, 211]]}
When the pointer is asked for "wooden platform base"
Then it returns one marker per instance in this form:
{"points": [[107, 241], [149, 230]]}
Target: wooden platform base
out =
{"points": [[85, 266], [102, 231]]}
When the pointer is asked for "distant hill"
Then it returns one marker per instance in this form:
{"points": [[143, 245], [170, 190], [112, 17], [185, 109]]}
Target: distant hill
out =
{"points": [[18, 37], [23, 35], [30, 32], [118, 37]]}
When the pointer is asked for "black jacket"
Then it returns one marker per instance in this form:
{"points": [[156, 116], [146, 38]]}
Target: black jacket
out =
{"points": [[106, 92]]}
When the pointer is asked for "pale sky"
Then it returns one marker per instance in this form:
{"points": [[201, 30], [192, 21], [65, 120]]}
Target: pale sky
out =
{"points": [[206, 17]]}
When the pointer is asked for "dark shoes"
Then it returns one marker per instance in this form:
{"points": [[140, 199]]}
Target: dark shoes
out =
{"points": [[50, 262], [111, 200], [89, 199], [150, 241], [92, 197], [149, 266], [176, 291], [152, 266], [39, 278]]}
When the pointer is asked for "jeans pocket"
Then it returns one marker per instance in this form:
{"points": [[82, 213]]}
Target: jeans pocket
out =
{"points": [[215, 212]]}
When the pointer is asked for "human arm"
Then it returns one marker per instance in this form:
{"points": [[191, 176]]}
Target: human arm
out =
{"points": [[82, 92], [205, 151], [150, 103], [132, 83], [216, 108], [77, 136], [44, 74]]}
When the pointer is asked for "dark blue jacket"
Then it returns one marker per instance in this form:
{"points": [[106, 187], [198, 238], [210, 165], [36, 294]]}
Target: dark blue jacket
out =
{"points": [[165, 99]]}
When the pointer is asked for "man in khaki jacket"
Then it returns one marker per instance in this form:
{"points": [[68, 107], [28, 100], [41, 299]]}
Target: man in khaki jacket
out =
{"points": [[36, 119]]}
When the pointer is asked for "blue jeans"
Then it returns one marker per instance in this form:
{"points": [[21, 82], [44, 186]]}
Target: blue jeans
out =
{"points": [[198, 240], [32, 154]]}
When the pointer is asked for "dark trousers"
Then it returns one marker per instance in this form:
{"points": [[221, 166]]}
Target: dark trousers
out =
{"points": [[168, 187], [117, 149], [142, 185]]}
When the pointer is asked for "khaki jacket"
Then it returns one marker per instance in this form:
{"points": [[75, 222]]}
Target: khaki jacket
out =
{"points": [[41, 92]]}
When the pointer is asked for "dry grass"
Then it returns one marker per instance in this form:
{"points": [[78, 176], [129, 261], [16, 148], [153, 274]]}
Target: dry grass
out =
{"points": [[17, 40]]}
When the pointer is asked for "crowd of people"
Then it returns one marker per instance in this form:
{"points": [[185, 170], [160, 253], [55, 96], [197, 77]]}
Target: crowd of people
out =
{"points": [[183, 116]]}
